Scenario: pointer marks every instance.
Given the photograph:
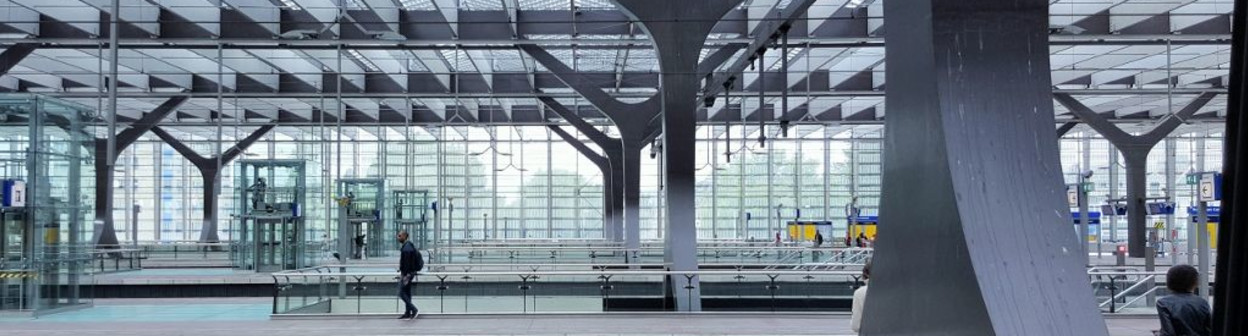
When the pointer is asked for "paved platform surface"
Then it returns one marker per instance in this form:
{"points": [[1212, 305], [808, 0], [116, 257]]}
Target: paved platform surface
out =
{"points": [[237, 317]]}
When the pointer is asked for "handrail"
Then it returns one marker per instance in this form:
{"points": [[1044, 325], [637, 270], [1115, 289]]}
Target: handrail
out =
{"points": [[600, 266], [299, 273], [1137, 298], [1120, 295], [593, 248], [789, 256], [1149, 275]]}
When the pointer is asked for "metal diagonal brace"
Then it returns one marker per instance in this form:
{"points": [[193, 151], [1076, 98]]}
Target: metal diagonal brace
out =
{"points": [[13, 55], [1065, 128]]}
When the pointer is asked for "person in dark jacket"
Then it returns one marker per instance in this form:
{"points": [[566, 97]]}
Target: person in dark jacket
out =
{"points": [[1184, 313], [410, 262]]}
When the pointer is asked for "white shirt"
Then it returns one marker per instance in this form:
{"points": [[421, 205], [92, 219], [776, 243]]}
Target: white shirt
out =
{"points": [[855, 313]]}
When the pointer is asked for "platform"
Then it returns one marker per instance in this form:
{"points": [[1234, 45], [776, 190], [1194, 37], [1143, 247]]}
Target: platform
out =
{"points": [[249, 316]]}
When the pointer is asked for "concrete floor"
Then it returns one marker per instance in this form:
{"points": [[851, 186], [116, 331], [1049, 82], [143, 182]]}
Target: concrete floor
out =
{"points": [[249, 316]]}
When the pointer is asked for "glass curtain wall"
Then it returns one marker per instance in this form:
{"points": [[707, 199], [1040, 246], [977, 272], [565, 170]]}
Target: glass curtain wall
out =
{"points": [[516, 182]]}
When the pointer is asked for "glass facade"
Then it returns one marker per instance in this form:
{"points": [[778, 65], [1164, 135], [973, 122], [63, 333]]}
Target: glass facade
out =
{"points": [[512, 182]]}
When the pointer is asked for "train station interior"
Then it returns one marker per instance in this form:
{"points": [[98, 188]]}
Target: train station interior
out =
{"points": [[622, 167]]}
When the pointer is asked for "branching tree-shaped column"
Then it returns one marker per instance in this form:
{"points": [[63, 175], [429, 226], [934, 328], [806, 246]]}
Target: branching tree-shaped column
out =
{"points": [[610, 214], [105, 233], [207, 167], [638, 125], [679, 30], [1134, 149]]}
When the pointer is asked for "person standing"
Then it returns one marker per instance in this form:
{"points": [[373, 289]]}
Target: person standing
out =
{"points": [[1184, 313], [410, 262], [258, 190]]}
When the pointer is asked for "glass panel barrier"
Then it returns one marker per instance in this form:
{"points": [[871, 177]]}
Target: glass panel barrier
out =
{"points": [[361, 290], [609, 288]]}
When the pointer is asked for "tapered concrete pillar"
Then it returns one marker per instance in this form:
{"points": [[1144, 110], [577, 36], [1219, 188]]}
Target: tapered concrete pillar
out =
{"points": [[1135, 151], [105, 234], [679, 30], [975, 236], [207, 167], [1230, 302]]}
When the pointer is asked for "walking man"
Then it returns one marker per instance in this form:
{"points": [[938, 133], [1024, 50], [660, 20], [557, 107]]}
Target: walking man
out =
{"points": [[410, 262]]}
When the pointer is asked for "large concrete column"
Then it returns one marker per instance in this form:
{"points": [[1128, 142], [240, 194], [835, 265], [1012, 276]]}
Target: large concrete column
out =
{"points": [[1135, 151], [105, 234], [207, 167], [679, 30], [1230, 302], [975, 236]]}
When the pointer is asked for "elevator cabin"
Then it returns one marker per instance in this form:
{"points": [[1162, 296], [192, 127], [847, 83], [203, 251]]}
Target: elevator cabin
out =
{"points": [[411, 214], [362, 232], [269, 219]]}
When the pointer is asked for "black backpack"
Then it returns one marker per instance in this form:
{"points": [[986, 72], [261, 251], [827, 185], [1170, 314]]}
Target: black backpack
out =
{"points": [[420, 261]]}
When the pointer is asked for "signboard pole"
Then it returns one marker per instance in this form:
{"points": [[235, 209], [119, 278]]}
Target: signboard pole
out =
{"points": [[1085, 222], [1202, 227]]}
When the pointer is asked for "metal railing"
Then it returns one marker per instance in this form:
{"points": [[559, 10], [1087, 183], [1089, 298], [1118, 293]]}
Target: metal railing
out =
{"points": [[603, 288], [785, 255], [115, 260], [353, 290], [1122, 289]]}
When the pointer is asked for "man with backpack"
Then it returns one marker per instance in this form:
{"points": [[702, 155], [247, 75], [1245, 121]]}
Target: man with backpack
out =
{"points": [[410, 262]]}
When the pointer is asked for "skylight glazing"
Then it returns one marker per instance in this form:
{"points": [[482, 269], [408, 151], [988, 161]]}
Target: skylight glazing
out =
{"points": [[481, 5], [508, 61], [458, 60], [418, 5], [552, 5]]}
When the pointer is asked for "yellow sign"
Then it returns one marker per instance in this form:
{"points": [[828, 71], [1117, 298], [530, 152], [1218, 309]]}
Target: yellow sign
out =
{"points": [[801, 232], [1213, 234]]}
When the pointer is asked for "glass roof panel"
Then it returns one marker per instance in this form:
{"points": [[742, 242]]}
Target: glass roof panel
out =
{"points": [[458, 60], [481, 5], [418, 5], [508, 61], [599, 60], [566, 4]]}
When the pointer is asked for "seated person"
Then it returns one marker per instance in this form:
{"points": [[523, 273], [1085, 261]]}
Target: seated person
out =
{"points": [[1183, 313]]}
